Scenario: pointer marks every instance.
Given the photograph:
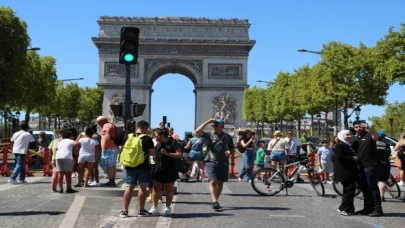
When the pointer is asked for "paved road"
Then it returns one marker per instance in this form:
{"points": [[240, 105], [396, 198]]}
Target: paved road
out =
{"points": [[34, 205]]}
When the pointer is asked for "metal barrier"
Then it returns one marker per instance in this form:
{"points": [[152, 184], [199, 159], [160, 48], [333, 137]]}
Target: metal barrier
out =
{"points": [[5, 171]]}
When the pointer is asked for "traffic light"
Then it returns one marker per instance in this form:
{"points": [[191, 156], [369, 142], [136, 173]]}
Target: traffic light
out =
{"points": [[138, 109], [129, 42], [164, 119], [117, 109]]}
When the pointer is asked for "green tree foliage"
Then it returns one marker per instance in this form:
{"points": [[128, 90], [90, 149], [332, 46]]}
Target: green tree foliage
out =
{"points": [[279, 102], [37, 86], [248, 106], [350, 73], [14, 41], [390, 52], [394, 111], [91, 103], [69, 100]]}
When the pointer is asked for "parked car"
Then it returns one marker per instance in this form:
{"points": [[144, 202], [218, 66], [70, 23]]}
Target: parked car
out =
{"points": [[392, 142], [50, 135]]}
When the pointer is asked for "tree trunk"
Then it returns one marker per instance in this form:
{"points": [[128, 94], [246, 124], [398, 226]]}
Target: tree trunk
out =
{"points": [[326, 128], [345, 115], [27, 115], [299, 127], [262, 133]]}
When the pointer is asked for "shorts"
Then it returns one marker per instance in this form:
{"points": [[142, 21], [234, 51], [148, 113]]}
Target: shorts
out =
{"points": [[109, 157], [196, 156], [64, 165], [278, 155], [86, 158], [327, 167], [383, 170], [217, 171], [166, 176], [135, 177]]}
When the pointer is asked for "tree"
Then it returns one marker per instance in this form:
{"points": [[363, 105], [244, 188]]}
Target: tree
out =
{"points": [[69, 96], [390, 52], [278, 99], [394, 111], [14, 41], [38, 85], [350, 73], [91, 103], [248, 105]]}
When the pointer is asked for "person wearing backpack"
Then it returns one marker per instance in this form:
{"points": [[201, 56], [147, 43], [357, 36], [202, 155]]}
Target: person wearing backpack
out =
{"points": [[109, 149], [135, 158]]}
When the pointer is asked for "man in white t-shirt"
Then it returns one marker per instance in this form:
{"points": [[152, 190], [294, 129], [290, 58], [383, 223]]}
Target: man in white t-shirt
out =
{"points": [[20, 142]]}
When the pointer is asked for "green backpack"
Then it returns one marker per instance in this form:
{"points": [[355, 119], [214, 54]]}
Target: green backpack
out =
{"points": [[132, 154]]}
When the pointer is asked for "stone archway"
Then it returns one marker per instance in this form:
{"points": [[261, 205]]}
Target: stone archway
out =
{"points": [[213, 54]]}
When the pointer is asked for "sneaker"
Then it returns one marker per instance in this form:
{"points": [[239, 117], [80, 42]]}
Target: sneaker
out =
{"points": [[71, 190], [60, 191], [329, 182], [154, 210], [216, 206], [74, 174], [109, 184], [376, 214], [168, 211], [338, 210], [11, 181], [143, 213], [240, 179], [123, 214], [345, 213], [363, 212], [324, 182], [149, 199], [22, 181], [54, 190], [401, 183]]}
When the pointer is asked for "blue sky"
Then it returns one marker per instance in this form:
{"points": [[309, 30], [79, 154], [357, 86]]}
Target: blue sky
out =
{"points": [[64, 29]]}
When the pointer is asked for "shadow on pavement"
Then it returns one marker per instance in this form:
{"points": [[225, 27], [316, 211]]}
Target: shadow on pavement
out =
{"points": [[199, 215], [398, 215], [207, 203], [193, 193], [243, 194], [257, 208], [26, 213]]}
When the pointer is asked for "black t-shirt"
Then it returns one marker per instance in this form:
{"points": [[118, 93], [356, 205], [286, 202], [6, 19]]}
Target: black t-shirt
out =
{"points": [[167, 162], [366, 149], [147, 144], [383, 151]]}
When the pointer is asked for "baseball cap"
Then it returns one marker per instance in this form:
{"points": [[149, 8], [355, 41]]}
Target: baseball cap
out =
{"points": [[220, 121], [381, 133]]}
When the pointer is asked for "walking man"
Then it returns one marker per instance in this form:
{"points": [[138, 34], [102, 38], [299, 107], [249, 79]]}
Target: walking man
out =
{"points": [[220, 146], [19, 143], [109, 150]]}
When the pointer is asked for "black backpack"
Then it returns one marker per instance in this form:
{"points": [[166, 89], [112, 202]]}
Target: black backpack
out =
{"points": [[119, 136]]}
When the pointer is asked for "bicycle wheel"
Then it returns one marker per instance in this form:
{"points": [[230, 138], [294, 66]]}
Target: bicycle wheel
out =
{"points": [[338, 187], [393, 188], [267, 181], [316, 182]]}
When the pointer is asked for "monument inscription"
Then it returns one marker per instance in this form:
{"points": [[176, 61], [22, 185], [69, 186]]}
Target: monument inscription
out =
{"points": [[112, 69], [225, 71]]}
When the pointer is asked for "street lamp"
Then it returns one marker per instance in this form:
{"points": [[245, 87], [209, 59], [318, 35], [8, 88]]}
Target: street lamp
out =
{"points": [[305, 50], [270, 83], [391, 123], [70, 79], [351, 123], [357, 111], [33, 49]]}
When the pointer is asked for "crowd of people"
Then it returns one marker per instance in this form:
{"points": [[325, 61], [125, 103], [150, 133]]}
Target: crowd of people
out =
{"points": [[151, 160]]}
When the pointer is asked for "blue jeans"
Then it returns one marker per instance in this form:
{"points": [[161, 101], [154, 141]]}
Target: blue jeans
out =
{"points": [[369, 187], [248, 159], [19, 167]]}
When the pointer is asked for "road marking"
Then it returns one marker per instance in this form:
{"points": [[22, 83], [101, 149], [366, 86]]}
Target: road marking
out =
{"points": [[39, 205], [73, 212], [165, 222], [289, 216], [8, 186]]}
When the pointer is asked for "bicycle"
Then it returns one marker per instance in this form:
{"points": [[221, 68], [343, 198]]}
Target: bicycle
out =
{"points": [[392, 188], [270, 177]]}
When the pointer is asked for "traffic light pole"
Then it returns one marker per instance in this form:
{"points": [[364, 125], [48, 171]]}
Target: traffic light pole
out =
{"points": [[128, 101]]}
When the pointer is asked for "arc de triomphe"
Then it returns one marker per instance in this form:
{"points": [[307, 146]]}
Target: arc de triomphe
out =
{"points": [[213, 54]]}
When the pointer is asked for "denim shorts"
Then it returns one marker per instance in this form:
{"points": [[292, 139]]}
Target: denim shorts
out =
{"points": [[135, 177], [217, 171], [278, 155], [196, 156], [109, 157]]}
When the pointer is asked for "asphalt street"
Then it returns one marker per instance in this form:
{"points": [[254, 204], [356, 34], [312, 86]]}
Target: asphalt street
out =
{"points": [[35, 205]]}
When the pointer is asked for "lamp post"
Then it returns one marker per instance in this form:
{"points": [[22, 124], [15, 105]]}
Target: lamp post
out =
{"points": [[350, 123], [33, 49], [17, 115], [71, 79], [391, 123], [357, 111], [267, 82]]}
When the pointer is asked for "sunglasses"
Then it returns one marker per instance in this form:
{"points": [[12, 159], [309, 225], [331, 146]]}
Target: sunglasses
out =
{"points": [[214, 125]]}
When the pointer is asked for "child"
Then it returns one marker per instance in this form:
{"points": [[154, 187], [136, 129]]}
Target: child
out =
{"points": [[325, 159], [260, 156], [88, 154], [64, 161]]}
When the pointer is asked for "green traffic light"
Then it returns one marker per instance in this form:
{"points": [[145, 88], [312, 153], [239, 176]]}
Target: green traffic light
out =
{"points": [[129, 57]]}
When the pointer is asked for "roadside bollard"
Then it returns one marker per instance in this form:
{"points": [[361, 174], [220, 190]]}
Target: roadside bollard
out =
{"points": [[232, 172], [4, 168], [46, 163]]}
